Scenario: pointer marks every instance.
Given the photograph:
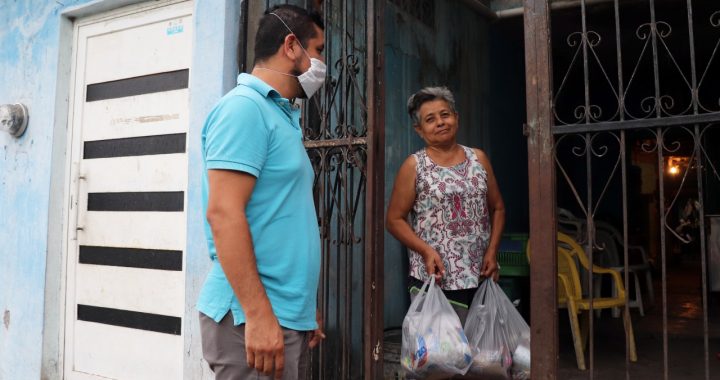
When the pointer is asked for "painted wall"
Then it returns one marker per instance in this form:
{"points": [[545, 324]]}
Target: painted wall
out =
{"points": [[36, 40], [213, 73], [506, 116], [416, 56], [29, 36], [483, 64]]}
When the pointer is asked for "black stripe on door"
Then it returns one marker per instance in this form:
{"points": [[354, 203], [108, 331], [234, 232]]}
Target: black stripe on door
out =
{"points": [[131, 319], [132, 257], [146, 84], [168, 201], [135, 146]]}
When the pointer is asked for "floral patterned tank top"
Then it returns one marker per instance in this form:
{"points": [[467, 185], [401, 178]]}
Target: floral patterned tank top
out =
{"points": [[450, 213]]}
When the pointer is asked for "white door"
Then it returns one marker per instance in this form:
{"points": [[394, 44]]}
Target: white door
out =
{"points": [[126, 230]]}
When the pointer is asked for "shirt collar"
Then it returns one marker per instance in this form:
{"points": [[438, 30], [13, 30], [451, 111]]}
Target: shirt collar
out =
{"points": [[257, 84]]}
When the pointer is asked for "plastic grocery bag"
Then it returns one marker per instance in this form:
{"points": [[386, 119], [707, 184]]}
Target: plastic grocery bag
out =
{"points": [[517, 333], [434, 344], [492, 357], [498, 336]]}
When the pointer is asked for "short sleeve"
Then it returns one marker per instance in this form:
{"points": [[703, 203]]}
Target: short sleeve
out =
{"points": [[236, 136]]}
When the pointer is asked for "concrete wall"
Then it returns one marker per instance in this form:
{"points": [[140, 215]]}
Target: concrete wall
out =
{"points": [[452, 53], [29, 36], [506, 115], [35, 64]]}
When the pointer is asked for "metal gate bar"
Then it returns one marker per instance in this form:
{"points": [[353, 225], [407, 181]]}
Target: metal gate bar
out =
{"points": [[343, 130], [658, 115], [375, 206]]}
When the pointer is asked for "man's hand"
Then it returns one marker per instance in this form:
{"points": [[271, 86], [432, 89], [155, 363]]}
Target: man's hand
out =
{"points": [[434, 264], [265, 345], [317, 335], [230, 192]]}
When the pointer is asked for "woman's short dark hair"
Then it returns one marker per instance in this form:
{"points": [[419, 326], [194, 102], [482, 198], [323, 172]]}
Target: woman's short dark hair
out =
{"points": [[272, 32], [427, 94]]}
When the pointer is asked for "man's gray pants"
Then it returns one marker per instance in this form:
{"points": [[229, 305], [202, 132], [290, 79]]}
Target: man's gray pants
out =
{"points": [[223, 346]]}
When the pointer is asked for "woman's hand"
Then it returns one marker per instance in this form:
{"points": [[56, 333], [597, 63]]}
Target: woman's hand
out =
{"points": [[490, 267], [434, 264]]}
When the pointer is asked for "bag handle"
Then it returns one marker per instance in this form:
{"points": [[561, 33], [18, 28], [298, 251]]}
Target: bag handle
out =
{"points": [[424, 290]]}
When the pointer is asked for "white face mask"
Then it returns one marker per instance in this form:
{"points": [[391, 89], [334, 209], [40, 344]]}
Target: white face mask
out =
{"points": [[313, 79]]}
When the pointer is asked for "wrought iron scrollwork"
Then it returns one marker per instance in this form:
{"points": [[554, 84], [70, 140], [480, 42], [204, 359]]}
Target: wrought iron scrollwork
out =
{"points": [[335, 136], [715, 23], [589, 148], [655, 43]]}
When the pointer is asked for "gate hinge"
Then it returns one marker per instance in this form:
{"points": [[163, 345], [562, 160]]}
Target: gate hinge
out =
{"points": [[376, 351]]}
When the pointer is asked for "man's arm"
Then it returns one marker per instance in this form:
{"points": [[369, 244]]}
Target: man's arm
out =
{"points": [[230, 193]]}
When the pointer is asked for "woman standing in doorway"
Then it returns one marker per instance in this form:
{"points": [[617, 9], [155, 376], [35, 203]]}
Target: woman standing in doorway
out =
{"points": [[457, 211]]}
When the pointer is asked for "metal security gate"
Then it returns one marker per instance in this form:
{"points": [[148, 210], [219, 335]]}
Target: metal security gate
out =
{"points": [[626, 109], [344, 137]]}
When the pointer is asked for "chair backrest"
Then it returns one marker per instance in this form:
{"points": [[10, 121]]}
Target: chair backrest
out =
{"points": [[573, 249], [615, 252], [568, 249], [607, 252], [567, 268], [569, 253], [571, 225]]}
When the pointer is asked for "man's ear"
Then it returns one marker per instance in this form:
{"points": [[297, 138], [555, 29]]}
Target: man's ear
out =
{"points": [[288, 46]]}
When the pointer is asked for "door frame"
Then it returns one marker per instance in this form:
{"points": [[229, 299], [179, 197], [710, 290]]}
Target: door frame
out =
{"points": [[71, 22], [541, 185], [374, 292]]}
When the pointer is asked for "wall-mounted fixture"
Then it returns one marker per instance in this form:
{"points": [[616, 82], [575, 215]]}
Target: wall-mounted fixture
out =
{"points": [[677, 164], [13, 119]]}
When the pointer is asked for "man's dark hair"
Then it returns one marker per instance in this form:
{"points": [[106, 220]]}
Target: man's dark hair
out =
{"points": [[271, 31]]}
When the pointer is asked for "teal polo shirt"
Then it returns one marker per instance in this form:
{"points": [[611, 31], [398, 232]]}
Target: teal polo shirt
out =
{"points": [[254, 130]]}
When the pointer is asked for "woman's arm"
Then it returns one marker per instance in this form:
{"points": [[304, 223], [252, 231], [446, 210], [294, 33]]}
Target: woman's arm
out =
{"points": [[496, 207], [401, 202]]}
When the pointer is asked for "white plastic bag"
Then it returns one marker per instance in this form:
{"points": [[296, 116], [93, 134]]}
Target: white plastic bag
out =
{"points": [[434, 344], [517, 333], [498, 336]]}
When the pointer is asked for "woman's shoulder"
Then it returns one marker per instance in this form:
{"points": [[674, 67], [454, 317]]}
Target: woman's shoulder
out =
{"points": [[418, 153], [479, 154], [410, 162]]}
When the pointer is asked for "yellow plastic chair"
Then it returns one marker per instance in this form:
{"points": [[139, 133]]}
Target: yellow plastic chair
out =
{"points": [[570, 295]]}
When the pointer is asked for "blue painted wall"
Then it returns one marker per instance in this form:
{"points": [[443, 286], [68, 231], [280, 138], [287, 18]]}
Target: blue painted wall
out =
{"points": [[452, 53], [36, 38], [506, 115], [483, 64], [29, 35], [214, 73]]}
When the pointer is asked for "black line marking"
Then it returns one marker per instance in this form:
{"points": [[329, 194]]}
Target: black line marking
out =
{"points": [[135, 146], [132, 257], [131, 319], [146, 84], [170, 201]]}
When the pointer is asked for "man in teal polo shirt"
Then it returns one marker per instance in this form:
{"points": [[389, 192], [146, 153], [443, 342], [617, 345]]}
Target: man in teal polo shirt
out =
{"points": [[258, 311]]}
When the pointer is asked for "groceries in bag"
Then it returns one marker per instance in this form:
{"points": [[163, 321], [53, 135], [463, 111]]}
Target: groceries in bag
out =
{"points": [[498, 336], [434, 344]]}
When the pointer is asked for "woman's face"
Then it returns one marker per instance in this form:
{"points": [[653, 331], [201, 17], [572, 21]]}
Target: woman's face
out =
{"points": [[438, 123]]}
